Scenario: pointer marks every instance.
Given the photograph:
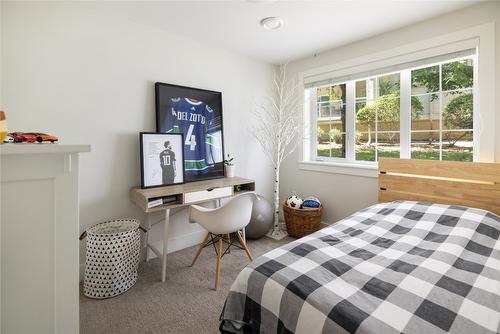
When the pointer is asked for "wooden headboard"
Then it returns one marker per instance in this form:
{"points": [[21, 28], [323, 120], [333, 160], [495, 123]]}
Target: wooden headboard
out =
{"points": [[471, 184]]}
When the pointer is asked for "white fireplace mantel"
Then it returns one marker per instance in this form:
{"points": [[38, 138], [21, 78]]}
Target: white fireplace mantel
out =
{"points": [[39, 277]]}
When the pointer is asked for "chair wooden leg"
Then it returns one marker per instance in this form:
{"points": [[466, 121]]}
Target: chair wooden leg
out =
{"points": [[203, 243], [229, 243], [244, 245], [217, 267]]}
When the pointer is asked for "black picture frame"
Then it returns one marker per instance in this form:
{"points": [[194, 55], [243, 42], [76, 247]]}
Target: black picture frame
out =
{"points": [[165, 94], [154, 139]]}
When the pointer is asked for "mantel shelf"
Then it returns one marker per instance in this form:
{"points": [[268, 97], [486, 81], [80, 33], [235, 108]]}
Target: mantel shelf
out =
{"points": [[41, 148]]}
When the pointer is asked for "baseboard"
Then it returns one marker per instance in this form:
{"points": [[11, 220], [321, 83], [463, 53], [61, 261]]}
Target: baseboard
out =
{"points": [[324, 224]]}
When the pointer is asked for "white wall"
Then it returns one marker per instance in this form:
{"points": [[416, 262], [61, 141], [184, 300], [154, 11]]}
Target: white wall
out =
{"points": [[345, 194], [89, 78]]}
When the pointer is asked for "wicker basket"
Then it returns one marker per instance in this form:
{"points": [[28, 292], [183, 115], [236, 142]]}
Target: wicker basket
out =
{"points": [[301, 222], [112, 258]]}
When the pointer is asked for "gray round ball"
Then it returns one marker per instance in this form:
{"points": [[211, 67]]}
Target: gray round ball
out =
{"points": [[261, 220]]}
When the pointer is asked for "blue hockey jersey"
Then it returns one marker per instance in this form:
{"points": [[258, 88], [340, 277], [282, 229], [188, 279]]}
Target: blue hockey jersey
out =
{"points": [[193, 119]]}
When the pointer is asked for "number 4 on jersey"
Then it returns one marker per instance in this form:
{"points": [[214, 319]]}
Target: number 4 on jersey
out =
{"points": [[190, 138]]}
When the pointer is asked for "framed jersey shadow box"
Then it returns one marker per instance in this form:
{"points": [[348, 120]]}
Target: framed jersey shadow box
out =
{"points": [[197, 114], [162, 157]]}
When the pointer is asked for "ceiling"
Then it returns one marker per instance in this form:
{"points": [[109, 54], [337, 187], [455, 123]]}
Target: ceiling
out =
{"points": [[309, 26]]}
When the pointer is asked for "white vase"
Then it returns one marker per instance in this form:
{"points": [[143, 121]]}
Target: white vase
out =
{"points": [[229, 171]]}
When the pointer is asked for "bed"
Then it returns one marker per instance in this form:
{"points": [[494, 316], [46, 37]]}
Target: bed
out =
{"points": [[426, 259]]}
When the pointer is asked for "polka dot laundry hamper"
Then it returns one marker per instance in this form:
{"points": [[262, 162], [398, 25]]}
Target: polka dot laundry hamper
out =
{"points": [[112, 258]]}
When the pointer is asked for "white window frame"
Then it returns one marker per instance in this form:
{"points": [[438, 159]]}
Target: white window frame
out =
{"points": [[405, 130], [483, 91]]}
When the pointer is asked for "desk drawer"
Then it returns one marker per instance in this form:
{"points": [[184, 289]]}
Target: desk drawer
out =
{"points": [[204, 195]]}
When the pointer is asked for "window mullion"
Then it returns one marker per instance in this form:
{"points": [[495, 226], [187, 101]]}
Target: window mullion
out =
{"points": [[475, 113], [350, 120], [314, 124], [440, 111], [376, 98], [405, 114]]}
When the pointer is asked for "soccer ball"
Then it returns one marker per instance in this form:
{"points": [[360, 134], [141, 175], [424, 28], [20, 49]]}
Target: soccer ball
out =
{"points": [[294, 201], [311, 202]]}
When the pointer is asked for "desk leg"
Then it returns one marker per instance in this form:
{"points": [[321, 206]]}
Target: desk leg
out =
{"points": [[148, 230], [165, 241]]}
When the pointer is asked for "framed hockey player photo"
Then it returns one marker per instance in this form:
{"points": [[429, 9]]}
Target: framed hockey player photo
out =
{"points": [[162, 157], [197, 114]]}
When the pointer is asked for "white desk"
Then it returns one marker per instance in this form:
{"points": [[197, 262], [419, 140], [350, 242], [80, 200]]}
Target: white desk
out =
{"points": [[185, 195]]}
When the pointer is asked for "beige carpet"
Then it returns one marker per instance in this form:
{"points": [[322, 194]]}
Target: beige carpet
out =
{"points": [[185, 303]]}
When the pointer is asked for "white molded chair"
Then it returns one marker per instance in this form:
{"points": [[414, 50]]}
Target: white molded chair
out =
{"points": [[222, 223]]}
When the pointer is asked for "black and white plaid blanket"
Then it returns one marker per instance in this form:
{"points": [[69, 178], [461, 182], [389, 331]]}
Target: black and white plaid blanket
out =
{"points": [[399, 267]]}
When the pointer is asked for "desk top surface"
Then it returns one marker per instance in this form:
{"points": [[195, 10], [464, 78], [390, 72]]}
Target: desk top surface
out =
{"points": [[191, 186]]}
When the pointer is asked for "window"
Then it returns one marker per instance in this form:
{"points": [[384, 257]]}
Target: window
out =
{"points": [[441, 120], [331, 132], [377, 118], [420, 112]]}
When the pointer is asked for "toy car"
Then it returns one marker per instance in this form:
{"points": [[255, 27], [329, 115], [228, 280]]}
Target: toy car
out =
{"points": [[21, 137], [8, 139], [42, 137]]}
